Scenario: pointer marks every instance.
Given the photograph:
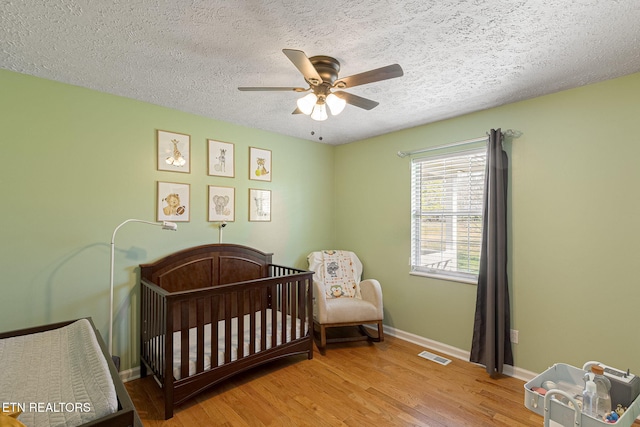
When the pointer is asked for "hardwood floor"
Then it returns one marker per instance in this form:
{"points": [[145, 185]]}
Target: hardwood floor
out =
{"points": [[354, 384]]}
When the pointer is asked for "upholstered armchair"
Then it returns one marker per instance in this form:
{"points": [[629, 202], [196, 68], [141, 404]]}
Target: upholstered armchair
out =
{"points": [[341, 299]]}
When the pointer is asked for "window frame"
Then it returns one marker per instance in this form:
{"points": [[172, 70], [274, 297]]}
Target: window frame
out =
{"points": [[417, 265]]}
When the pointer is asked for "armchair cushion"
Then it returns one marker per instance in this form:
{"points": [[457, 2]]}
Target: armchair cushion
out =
{"points": [[340, 310], [338, 271]]}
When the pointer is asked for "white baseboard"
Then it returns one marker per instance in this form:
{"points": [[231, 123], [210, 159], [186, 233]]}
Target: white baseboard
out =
{"points": [[512, 371], [130, 374]]}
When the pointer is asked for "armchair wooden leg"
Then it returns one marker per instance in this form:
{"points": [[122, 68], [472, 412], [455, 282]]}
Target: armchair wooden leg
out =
{"points": [[319, 336], [380, 331], [370, 336], [323, 336]]}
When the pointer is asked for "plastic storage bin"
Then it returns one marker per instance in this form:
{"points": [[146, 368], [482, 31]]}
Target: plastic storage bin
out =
{"points": [[557, 406]]}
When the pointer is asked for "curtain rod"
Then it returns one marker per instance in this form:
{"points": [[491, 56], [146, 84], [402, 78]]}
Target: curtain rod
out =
{"points": [[509, 133]]}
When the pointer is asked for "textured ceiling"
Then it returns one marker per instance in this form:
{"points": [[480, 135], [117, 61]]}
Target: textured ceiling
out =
{"points": [[458, 56]]}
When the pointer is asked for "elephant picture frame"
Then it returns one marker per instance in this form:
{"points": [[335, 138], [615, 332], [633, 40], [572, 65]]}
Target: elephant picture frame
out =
{"points": [[222, 202]]}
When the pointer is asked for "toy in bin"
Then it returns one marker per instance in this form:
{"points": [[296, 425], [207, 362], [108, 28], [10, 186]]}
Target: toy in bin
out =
{"points": [[563, 391]]}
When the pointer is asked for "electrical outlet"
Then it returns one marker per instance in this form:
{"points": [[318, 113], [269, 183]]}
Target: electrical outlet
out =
{"points": [[514, 336]]}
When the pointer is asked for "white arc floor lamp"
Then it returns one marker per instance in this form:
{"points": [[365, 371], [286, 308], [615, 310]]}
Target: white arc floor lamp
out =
{"points": [[165, 226]]}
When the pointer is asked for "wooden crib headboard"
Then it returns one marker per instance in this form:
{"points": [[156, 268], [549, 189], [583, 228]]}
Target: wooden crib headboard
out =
{"points": [[207, 265]]}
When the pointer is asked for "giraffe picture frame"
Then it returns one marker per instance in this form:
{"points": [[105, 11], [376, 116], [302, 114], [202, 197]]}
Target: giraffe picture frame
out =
{"points": [[221, 158], [174, 151]]}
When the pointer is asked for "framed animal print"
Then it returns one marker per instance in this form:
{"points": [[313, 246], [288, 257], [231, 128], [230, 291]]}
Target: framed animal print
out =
{"points": [[259, 205], [222, 201], [174, 151], [259, 164], [173, 202], [221, 158]]}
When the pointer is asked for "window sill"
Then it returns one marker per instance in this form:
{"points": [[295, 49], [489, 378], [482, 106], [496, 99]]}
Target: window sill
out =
{"points": [[445, 277]]}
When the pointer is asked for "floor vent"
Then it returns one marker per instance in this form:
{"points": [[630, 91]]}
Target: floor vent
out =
{"points": [[434, 358]]}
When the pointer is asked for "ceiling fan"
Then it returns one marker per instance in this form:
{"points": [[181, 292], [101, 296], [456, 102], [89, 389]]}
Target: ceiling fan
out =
{"points": [[321, 73]]}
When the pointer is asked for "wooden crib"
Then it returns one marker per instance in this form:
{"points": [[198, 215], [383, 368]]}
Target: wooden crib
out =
{"points": [[227, 294]]}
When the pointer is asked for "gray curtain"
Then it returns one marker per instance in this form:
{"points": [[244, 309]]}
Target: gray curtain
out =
{"points": [[491, 345]]}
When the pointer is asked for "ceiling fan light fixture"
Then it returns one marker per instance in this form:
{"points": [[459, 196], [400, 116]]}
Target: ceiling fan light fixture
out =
{"points": [[321, 73], [335, 103], [307, 102], [320, 111]]}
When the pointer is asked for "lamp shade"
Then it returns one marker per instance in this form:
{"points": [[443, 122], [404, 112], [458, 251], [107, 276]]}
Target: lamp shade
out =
{"points": [[319, 112], [307, 102], [336, 104]]}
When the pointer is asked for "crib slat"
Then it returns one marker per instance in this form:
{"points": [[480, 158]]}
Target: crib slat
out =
{"points": [[154, 318], [227, 327], [162, 307], [158, 327], [294, 308], [275, 306], [200, 334], [144, 324], [252, 321], [240, 315], [184, 339], [167, 358], [263, 318], [167, 345], [156, 315], [215, 313], [284, 308], [303, 307]]}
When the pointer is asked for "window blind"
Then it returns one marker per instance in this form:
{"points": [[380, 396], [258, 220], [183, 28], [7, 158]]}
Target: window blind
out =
{"points": [[447, 207]]}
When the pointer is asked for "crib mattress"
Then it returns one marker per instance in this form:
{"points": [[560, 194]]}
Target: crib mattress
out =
{"points": [[58, 377], [220, 350]]}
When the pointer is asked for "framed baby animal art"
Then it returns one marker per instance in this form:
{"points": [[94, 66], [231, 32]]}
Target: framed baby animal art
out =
{"points": [[173, 202], [259, 205], [174, 151], [222, 201], [259, 164], [221, 158]]}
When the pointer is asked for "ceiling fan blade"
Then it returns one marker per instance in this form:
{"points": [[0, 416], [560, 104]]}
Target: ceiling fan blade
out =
{"points": [[384, 73], [294, 89], [304, 65], [297, 111], [356, 100]]}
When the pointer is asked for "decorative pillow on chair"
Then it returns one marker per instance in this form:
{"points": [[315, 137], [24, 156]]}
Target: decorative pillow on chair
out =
{"points": [[340, 276]]}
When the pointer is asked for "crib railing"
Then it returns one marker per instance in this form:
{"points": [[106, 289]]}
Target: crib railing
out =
{"points": [[287, 292], [153, 327]]}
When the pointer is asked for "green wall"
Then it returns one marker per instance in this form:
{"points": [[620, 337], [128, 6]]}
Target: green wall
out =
{"points": [[76, 163], [574, 223]]}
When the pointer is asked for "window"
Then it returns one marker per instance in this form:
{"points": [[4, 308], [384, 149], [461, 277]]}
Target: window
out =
{"points": [[447, 204]]}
